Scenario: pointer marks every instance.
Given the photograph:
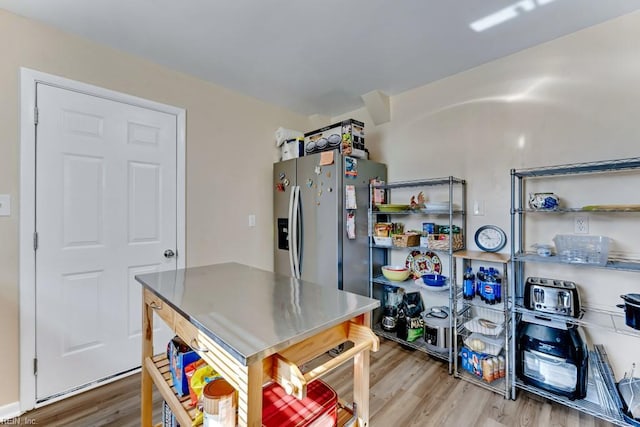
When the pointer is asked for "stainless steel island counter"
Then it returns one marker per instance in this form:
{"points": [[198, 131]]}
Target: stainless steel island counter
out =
{"points": [[253, 327]]}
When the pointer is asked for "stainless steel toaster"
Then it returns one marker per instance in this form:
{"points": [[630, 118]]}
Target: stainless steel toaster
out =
{"points": [[552, 296]]}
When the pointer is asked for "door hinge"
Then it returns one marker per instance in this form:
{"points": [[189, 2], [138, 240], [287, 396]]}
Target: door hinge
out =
{"points": [[35, 366], [35, 241], [35, 115]]}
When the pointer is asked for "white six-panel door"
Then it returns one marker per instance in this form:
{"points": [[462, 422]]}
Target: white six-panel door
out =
{"points": [[105, 211]]}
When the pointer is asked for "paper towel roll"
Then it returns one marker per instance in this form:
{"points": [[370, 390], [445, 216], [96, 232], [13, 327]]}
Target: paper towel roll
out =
{"points": [[283, 135]]}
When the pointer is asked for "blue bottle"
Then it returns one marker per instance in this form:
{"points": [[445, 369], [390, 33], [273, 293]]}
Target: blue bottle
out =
{"points": [[498, 290], [490, 288], [468, 284], [497, 285], [480, 277]]}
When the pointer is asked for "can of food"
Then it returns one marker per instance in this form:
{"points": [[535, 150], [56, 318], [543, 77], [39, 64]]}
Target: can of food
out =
{"points": [[219, 404]]}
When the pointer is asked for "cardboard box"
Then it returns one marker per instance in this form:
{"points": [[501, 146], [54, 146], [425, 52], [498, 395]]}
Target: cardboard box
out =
{"points": [[180, 355], [472, 361], [344, 136], [292, 149]]}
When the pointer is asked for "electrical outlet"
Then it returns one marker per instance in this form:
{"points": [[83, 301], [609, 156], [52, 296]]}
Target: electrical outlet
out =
{"points": [[252, 220], [581, 225]]}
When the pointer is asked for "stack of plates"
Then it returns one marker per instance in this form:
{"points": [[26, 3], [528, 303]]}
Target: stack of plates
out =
{"points": [[438, 206]]}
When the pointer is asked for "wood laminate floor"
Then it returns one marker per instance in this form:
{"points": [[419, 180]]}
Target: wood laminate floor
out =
{"points": [[408, 388]]}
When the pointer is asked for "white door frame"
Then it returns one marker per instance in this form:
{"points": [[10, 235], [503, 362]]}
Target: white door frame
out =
{"points": [[27, 289]]}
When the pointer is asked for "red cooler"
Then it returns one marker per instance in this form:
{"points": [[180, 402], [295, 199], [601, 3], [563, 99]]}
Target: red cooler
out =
{"points": [[318, 409]]}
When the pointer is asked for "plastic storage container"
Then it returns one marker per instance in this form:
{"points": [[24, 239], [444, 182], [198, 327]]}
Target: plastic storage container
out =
{"points": [[582, 249]]}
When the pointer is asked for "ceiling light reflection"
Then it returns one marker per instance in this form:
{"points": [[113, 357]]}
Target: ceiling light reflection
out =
{"points": [[509, 12], [522, 142], [527, 91]]}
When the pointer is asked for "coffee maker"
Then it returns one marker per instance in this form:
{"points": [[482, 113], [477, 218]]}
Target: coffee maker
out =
{"points": [[392, 297]]}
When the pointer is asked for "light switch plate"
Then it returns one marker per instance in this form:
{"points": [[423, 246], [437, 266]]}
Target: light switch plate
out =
{"points": [[5, 204], [478, 207]]}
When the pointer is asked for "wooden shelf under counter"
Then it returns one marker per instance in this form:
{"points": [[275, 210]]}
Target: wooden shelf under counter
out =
{"points": [[158, 368]]}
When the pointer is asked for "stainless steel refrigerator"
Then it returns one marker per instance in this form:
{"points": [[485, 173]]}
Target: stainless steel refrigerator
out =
{"points": [[311, 217]]}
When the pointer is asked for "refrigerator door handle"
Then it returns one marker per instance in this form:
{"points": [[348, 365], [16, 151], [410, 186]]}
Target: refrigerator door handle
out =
{"points": [[290, 227], [299, 234], [296, 230]]}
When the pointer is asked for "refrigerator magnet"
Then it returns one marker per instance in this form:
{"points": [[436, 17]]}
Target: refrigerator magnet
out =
{"points": [[309, 183], [351, 225], [350, 166], [350, 197], [326, 158]]}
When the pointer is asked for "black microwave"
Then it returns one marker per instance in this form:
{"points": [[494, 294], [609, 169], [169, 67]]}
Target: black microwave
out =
{"points": [[552, 356]]}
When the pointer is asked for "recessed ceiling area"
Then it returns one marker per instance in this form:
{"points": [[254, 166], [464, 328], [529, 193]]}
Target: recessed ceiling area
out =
{"points": [[320, 56]]}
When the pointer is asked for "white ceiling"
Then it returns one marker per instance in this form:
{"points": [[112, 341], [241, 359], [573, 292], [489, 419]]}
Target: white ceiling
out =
{"points": [[318, 56]]}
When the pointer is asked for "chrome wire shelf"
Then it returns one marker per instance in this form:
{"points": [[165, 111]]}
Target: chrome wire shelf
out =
{"points": [[410, 285], [614, 263], [418, 212], [598, 401], [578, 168], [579, 210], [418, 344], [415, 248], [433, 181], [591, 317]]}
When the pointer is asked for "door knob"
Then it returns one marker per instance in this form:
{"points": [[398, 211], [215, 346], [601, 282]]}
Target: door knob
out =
{"points": [[169, 253]]}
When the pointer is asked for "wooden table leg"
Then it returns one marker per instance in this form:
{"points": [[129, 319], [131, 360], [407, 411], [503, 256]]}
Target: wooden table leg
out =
{"points": [[146, 413], [250, 397], [361, 378], [361, 386]]}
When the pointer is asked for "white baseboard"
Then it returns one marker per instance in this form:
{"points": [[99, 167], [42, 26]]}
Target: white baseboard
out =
{"points": [[9, 412]]}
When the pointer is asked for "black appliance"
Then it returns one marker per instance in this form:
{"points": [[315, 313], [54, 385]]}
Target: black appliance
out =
{"points": [[552, 356], [631, 310]]}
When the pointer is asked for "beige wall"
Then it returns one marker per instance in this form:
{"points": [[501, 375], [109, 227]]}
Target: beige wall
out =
{"points": [[230, 150], [574, 99]]}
